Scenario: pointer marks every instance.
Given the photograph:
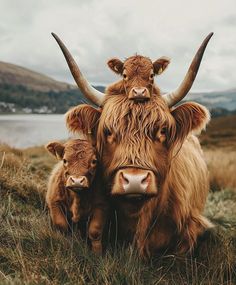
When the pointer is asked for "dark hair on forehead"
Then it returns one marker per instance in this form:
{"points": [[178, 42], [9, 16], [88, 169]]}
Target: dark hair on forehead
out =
{"points": [[137, 59]]}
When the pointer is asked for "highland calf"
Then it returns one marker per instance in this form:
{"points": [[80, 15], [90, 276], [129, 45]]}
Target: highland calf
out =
{"points": [[73, 195]]}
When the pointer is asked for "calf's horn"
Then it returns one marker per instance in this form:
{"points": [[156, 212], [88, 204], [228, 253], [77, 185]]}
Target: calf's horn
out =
{"points": [[177, 95], [86, 88]]}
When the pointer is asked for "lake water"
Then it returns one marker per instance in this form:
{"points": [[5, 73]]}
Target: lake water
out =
{"points": [[31, 130]]}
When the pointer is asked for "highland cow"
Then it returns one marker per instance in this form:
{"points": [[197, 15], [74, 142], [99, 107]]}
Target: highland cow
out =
{"points": [[73, 193], [152, 161]]}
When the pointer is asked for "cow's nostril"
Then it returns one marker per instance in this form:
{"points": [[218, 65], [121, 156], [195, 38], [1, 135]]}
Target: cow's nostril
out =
{"points": [[124, 179], [146, 179], [82, 179], [72, 179]]}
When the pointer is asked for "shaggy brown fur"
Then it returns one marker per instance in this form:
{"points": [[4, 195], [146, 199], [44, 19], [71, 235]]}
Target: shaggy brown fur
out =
{"points": [[137, 71], [73, 119], [65, 201], [149, 135]]}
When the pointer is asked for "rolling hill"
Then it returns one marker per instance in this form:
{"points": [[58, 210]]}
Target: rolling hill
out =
{"points": [[16, 75], [26, 91], [214, 100]]}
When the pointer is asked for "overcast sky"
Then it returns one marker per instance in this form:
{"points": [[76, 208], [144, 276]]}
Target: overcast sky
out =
{"points": [[95, 31]]}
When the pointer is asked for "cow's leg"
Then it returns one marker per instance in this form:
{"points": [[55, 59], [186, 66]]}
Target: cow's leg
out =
{"points": [[58, 216], [75, 208], [195, 226], [96, 227], [157, 240]]}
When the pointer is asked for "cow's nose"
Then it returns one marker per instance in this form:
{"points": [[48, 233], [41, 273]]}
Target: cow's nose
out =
{"points": [[80, 181], [135, 183], [139, 92]]}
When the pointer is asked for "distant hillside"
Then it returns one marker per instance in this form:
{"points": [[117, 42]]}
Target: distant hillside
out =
{"points": [[214, 100], [25, 91], [16, 75]]}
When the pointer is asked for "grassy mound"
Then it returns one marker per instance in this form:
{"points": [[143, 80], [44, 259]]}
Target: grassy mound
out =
{"points": [[31, 252]]}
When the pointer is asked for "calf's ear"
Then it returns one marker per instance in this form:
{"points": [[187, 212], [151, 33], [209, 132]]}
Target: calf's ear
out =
{"points": [[160, 64], [56, 149], [83, 118], [116, 65], [189, 117]]}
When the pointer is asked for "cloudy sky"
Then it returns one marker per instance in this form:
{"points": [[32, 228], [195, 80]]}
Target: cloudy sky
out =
{"points": [[95, 31]]}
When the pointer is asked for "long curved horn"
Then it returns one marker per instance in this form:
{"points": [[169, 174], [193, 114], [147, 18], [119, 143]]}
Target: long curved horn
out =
{"points": [[177, 95], [86, 88]]}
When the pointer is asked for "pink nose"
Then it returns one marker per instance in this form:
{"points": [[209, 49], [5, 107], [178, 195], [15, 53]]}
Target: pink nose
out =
{"points": [[139, 92], [135, 183], [80, 181]]}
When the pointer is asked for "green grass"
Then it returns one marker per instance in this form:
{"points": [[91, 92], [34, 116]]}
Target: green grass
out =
{"points": [[31, 252]]}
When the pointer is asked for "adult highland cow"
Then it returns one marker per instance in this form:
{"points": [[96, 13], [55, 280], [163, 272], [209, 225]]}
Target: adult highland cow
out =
{"points": [[152, 161]]}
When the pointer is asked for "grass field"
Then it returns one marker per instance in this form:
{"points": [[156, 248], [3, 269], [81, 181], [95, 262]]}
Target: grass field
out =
{"points": [[31, 252]]}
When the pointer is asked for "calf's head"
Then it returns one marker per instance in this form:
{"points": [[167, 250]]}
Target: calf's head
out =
{"points": [[79, 162], [138, 76]]}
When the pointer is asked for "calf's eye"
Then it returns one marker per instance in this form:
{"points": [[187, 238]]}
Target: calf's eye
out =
{"points": [[64, 161], [125, 76], [94, 161], [152, 76]]}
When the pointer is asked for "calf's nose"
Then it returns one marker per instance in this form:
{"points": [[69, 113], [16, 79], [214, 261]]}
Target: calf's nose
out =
{"points": [[139, 92], [135, 183], [80, 181]]}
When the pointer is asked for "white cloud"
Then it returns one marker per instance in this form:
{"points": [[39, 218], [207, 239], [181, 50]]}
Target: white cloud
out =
{"points": [[95, 31]]}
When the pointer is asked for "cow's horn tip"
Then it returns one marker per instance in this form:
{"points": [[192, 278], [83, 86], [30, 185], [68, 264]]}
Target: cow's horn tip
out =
{"points": [[211, 34], [53, 34]]}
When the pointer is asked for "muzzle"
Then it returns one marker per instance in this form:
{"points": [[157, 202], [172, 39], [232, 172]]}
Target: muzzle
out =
{"points": [[77, 183], [134, 182], [140, 94]]}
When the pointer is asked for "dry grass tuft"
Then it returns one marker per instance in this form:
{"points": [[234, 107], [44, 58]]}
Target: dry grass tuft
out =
{"points": [[222, 167], [19, 179]]}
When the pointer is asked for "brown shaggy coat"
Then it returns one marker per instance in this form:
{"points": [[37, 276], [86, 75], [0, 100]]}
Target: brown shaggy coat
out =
{"points": [[66, 204]]}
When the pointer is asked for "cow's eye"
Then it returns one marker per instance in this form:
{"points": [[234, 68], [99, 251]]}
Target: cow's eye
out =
{"points": [[125, 76], [64, 161], [151, 75], [161, 135], [107, 132], [163, 131], [110, 137], [94, 161]]}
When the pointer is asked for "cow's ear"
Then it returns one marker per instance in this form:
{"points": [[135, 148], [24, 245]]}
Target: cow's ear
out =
{"points": [[56, 149], [160, 64], [190, 117], [83, 118], [116, 65]]}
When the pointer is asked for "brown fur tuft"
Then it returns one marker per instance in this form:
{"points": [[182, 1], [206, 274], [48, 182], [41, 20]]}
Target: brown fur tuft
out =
{"points": [[83, 118]]}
